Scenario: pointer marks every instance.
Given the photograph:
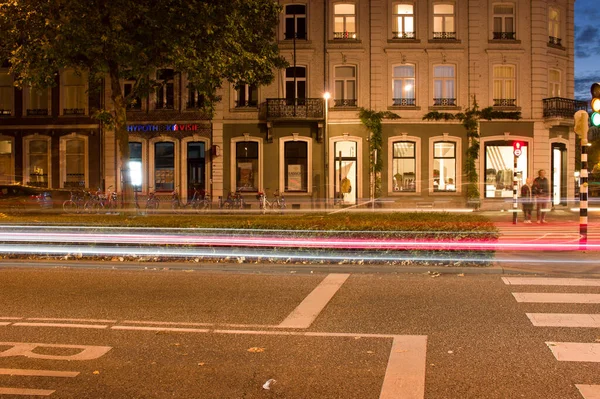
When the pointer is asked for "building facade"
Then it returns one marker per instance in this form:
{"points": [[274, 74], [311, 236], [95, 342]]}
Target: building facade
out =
{"points": [[408, 57]]}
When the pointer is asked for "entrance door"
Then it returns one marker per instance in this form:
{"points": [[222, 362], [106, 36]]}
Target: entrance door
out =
{"points": [[559, 174], [196, 168], [346, 168]]}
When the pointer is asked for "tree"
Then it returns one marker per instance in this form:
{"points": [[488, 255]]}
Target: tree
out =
{"points": [[209, 40]]}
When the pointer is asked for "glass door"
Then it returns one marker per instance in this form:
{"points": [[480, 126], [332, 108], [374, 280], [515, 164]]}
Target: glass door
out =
{"points": [[345, 177], [559, 174]]}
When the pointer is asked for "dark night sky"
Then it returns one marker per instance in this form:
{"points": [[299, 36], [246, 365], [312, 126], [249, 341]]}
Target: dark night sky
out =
{"points": [[587, 46]]}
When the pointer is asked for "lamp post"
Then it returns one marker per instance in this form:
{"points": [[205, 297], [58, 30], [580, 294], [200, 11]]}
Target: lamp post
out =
{"points": [[326, 96]]}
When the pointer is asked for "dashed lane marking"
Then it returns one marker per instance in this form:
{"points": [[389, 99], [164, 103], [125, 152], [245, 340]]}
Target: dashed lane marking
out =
{"points": [[71, 320], [555, 297], [304, 315], [589, 391], [564, 320], [39, 373], [575, 351], [551, 281], [25, 391]]}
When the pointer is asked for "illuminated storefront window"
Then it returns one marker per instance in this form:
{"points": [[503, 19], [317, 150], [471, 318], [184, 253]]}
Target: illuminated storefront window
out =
{"points": [[164, 166], [403, 166], [499, 168], [246, 162], [135, 165], [444, 166]]}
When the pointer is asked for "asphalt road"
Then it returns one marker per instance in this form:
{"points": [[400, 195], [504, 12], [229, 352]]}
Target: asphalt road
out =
{"points": [[192, 334]]}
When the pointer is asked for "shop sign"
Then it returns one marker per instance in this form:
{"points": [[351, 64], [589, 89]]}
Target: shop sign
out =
{"points": [[164, 128]]}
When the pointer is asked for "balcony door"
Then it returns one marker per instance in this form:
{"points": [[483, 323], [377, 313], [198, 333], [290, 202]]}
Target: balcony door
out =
{"points": [[295, 85]]}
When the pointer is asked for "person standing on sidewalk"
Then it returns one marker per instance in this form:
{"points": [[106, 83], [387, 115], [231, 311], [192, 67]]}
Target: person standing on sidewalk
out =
{"points": [[527, 199], [541, 191]]}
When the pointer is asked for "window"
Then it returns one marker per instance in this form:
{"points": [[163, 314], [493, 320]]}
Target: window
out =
{"points": [[295, 21], [345, 86], [133, 103], [165, 94], [246, 165], [344, 21], [6, 94], [554, 36], [444, 83], [36, 101], [164, 166], [75, 101], [135, 165], [74, 162], [499, 168], [443, 21], [6, 161], [295, 84], [295, 166], [504, 86], [404, 85], [195, 100], [444, 166], [38, 161], [504, 22], [246, 96], [554, 83], [403, 166], [403, 21]]}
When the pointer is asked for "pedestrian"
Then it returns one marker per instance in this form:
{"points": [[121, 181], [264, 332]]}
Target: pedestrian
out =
{"points": [[541, 192], [527, 199]]}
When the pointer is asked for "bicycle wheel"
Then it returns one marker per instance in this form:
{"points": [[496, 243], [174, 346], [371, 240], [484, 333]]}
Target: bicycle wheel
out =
{"points": [[69, 206], [88, 207]]}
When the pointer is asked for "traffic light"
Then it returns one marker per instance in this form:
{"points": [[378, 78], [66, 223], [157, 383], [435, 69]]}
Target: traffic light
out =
{"points": [[595, 118], [517, 150]]}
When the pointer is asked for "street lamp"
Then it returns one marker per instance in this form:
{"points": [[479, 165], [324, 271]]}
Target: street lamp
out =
{"points": [[326, 96]]}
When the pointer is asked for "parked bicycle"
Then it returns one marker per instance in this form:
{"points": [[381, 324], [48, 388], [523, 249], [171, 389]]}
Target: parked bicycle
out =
{"points": [[76, 202], [200, 200], [152, 202], [234, 201], [264, 204]]}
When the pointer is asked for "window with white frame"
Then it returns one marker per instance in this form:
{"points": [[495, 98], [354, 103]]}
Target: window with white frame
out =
{"points": [[295, 166], [6, 93], [247, 166], [444, 166], [295, 21], [295, 84], [74, 90], [38, 162], [6, 161], [344, 21], [345, 86], [403, 23], [554, 36], [135, 165], [74, 161], [444, 21], [554, 83], [36, 101], [164, 166], [504, 86], [444, 85], [246, 96], [504, 22], [165, 94], [403, 85], [404, 166]]}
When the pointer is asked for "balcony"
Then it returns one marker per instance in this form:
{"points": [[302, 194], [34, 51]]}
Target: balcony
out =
{"points": [[295, 109], [347, 103], [37, 112], [504, 36], [344, 35], [444, 102], [557, 107], [403, 35], [74, 111], [444, 35], [404, 102], [505, 102]]}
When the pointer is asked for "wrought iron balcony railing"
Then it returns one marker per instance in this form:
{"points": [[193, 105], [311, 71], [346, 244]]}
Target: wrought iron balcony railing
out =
{"points": [[557, 107], [444, 35], [504, 35], [37, 112], [299, 108], [404, 102], [299, 36], [74, 111], [444, 102], [246, 104], [403, 35], [344, 35], [344, 103], [554, 41], [505, 102]]}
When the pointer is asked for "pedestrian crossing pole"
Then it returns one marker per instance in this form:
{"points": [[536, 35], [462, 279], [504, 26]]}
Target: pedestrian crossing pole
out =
{"points": [[581, 128]]}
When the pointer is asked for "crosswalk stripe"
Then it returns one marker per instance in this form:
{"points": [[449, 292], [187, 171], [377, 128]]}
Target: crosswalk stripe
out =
{"points": [[25, 391], [551, 281], [589, 391], [555, 297], [575, 351], [39, 373], [564, 320]]}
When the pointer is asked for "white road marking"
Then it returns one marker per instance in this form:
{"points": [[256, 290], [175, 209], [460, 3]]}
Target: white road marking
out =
{"points": [[93, 326], [589, 391], [39, 373], [4, 323], [172, 329], [575, 351], [551, 281], [25, 391], [78, 320], [555, 297], [405, 373], [174, 323], [315, 302], [11, 318], [88, 352], [564, 320]]}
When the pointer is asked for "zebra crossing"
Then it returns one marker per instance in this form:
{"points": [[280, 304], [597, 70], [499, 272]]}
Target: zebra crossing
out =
{"points": [[564, 351], [558, 232]]}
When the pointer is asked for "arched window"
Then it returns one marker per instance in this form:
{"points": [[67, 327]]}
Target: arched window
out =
{"points": [[73, 161], [444, 85]]}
